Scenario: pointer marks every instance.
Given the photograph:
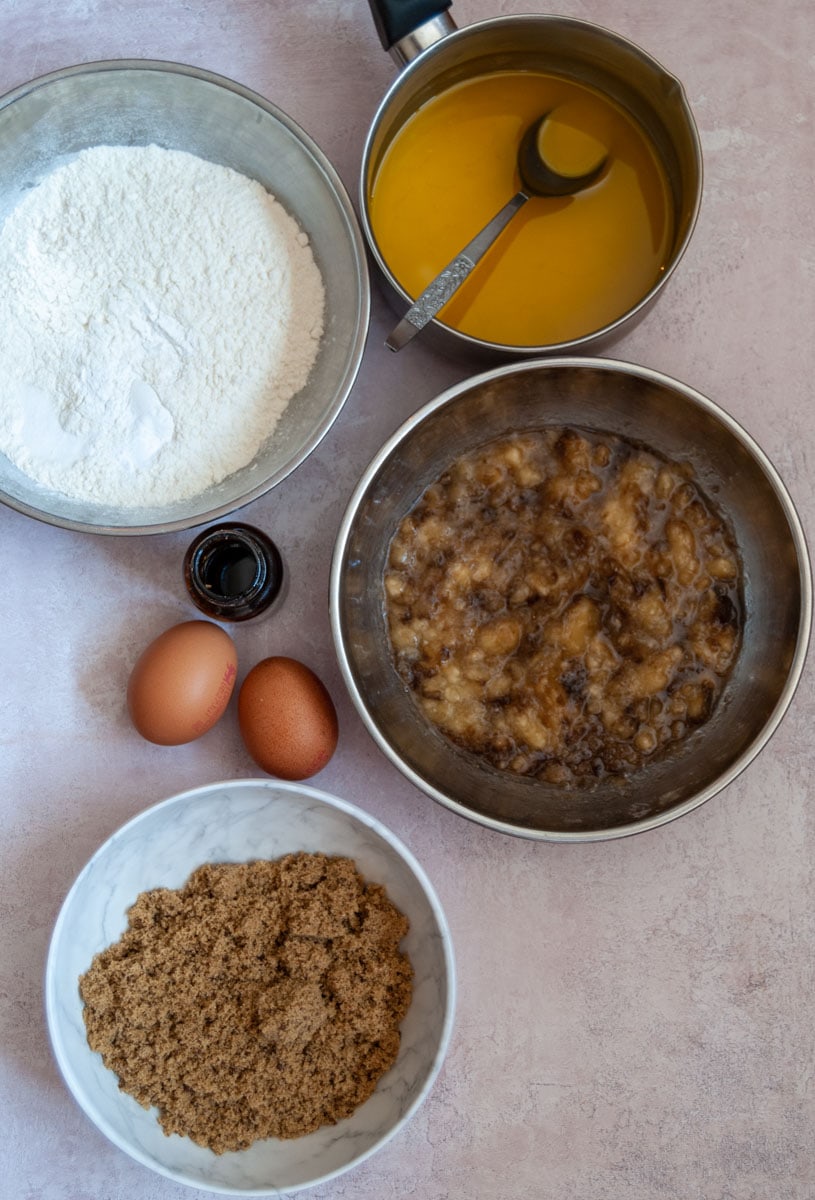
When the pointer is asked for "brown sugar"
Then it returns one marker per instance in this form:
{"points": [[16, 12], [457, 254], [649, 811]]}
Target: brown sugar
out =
{"points": [[260, 1000]]}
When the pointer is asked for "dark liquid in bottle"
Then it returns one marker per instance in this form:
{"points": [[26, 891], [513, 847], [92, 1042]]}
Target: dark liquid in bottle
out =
{"points": [[233, 572], [229, 569]]}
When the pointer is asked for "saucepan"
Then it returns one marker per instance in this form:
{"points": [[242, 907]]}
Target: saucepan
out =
{"points": [[436, 58]]}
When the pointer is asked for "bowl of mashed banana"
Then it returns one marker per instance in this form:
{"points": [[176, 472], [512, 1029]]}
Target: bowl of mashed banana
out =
{"points": [[571, 599]]}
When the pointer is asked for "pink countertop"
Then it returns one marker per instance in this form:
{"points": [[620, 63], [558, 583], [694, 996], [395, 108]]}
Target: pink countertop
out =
{"points": [[634, 1017]]}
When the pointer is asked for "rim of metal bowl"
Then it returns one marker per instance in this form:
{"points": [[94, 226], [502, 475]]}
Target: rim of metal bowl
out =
{"points": [[167, 66], [796, 665]]}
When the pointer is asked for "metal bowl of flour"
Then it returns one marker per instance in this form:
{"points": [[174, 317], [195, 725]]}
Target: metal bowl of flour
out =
{"points": [[47, 123]]}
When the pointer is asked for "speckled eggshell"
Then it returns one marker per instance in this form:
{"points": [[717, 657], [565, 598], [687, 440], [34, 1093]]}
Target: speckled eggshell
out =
{"points": [[181, 684], [287, 719]]}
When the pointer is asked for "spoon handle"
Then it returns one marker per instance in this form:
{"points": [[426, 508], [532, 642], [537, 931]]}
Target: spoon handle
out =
{"points": [[450, 278]]}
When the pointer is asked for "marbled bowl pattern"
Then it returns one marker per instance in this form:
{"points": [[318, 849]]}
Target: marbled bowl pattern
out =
{"points": [[234, 822]]}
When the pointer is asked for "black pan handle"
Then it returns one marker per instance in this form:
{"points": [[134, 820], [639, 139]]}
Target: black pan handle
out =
{"points": [[395, 19]]}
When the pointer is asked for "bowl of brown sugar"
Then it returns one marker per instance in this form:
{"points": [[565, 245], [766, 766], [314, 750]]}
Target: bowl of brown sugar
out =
{"points": [[250, 987], [571, 599]]}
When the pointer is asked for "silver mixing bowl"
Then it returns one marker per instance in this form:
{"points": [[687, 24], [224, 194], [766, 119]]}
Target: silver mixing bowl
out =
{"points": [[138, 102], [637, 403]]}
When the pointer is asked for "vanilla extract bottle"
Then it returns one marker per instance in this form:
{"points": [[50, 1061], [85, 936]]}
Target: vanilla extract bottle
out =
{"points": [[233, 572]]}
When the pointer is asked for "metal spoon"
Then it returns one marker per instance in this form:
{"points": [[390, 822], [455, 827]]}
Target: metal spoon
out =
{"points": [[537, 179]]}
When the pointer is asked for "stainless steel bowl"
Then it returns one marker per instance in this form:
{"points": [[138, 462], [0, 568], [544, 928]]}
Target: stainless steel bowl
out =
{"points": [[138, 102], [634, 402]]}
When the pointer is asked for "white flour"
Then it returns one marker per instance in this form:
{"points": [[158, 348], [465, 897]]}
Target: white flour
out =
{"points": [[157, 313]]}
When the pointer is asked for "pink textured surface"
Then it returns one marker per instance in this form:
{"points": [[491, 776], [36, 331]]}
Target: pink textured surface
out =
{"points": [[635, 1017]]}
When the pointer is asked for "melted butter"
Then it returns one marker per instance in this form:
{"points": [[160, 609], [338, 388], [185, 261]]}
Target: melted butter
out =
{"points": [[564, 267]]}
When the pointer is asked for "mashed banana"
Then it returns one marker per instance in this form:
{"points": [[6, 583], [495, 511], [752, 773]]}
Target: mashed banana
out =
{"points": [[566, 604]]}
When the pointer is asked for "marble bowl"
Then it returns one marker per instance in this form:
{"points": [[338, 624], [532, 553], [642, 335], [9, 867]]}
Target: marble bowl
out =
{"points": [[234, 822]]}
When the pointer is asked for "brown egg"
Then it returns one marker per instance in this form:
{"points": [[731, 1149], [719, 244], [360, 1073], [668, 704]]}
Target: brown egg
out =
{"points": [[181, 684], [287, 718]]}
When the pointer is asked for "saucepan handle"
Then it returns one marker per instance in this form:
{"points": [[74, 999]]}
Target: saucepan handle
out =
{"points": [[395, 20]]}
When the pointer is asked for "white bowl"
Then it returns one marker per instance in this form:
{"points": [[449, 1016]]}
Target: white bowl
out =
{"points": [[239, 821]]}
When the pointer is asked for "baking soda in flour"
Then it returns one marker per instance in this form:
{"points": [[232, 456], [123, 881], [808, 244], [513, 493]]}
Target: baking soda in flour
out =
{"points": [[157, 314]]}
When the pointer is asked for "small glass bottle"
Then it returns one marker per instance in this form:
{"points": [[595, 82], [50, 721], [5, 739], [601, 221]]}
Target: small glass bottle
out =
{"points": [[233, 572]]}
